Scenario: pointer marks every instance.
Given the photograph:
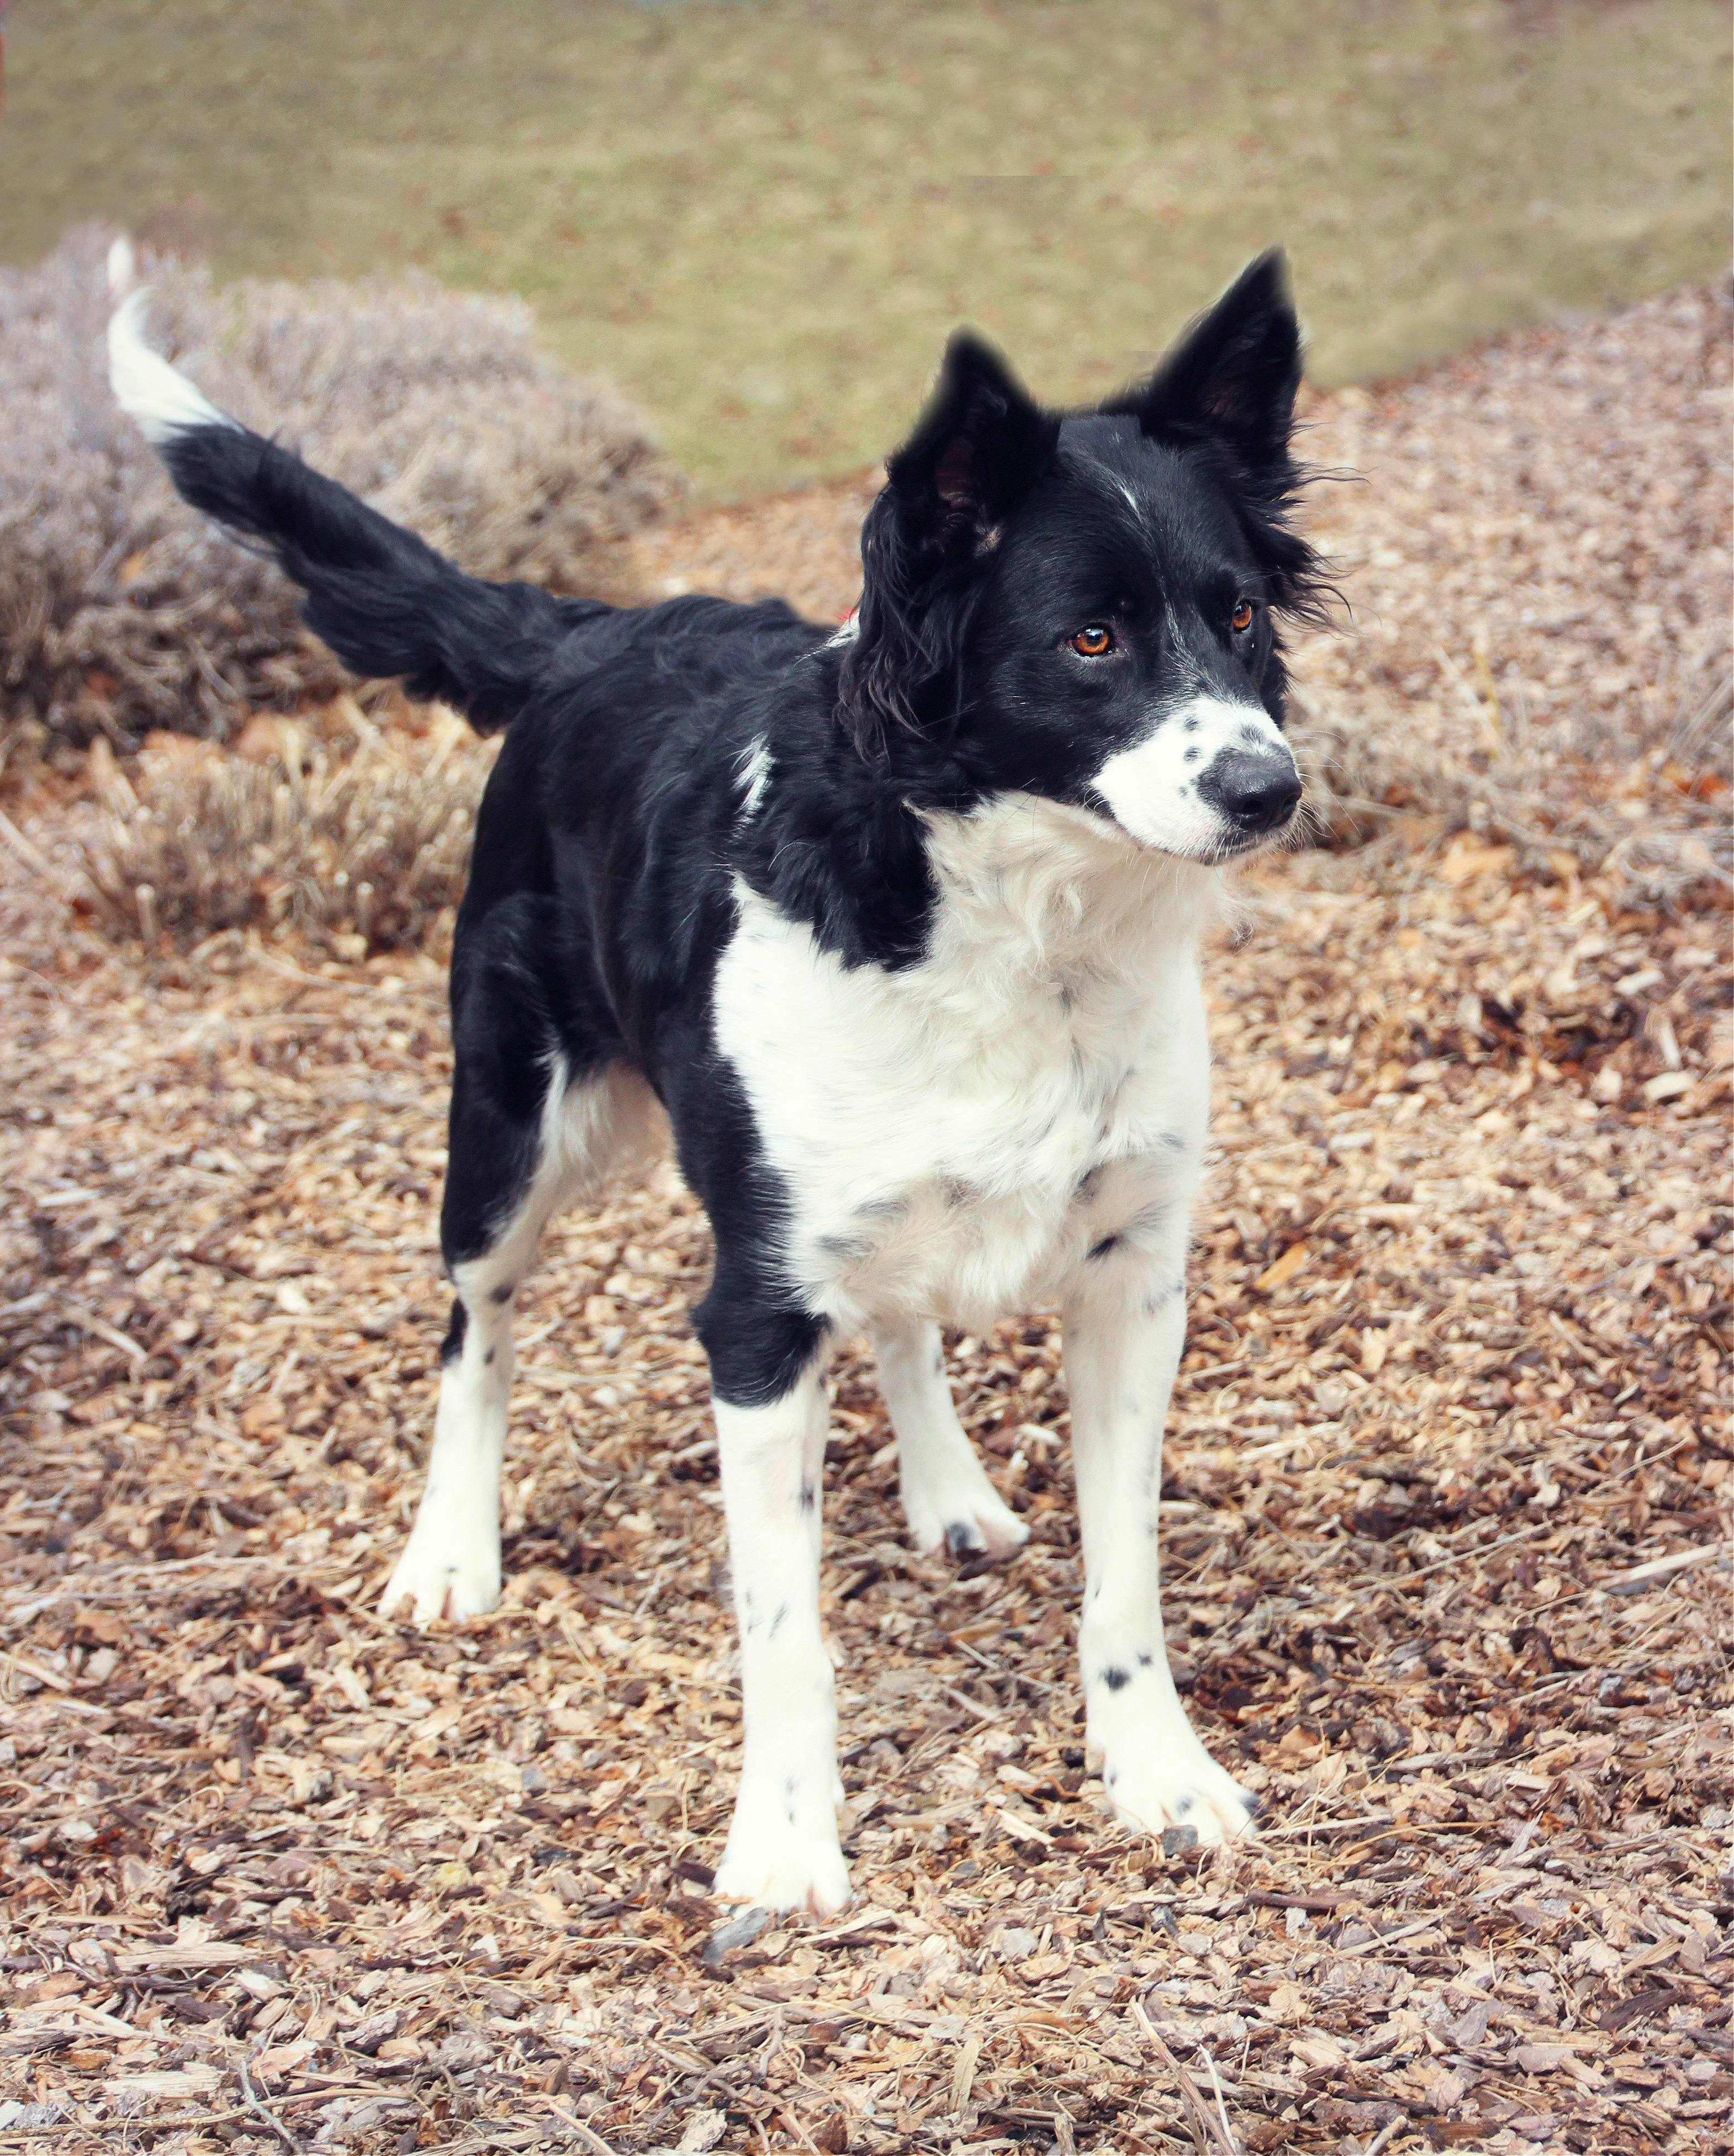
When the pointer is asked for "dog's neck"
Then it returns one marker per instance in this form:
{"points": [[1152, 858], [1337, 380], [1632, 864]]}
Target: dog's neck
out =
{"points": [[1030, 890], [867, 852]]}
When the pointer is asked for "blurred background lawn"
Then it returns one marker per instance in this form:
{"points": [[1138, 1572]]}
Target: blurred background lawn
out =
{"points": [[761, 218]]}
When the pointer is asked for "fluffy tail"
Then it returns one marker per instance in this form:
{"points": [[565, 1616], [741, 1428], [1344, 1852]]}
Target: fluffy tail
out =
{"points": [[382, 598]]}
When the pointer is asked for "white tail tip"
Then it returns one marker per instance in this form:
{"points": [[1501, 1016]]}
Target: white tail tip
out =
{"points": [[164, 402], [122, 267]]}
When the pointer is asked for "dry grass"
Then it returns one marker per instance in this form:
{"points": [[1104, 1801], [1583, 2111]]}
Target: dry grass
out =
{"points": [[121, 610], [764, 220]]}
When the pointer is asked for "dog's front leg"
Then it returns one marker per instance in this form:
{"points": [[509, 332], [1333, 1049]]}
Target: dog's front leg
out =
{"points": [[1124, 1327], [948, 1499], [783, 1850]]}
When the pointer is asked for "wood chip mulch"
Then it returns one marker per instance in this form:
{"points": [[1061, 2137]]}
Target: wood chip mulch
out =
{"points": [[1448, 1570]]}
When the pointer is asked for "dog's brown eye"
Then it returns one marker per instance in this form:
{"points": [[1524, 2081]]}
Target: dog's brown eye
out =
{"points": [[1095, 642], [1240, 620]]}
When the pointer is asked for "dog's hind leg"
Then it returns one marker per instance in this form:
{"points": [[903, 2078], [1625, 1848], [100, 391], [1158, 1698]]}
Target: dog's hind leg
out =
{"points": [[507, 1175], [947, 1497]]}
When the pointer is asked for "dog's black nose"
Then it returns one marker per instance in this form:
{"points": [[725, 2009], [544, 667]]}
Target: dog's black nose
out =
{"points": [[1255, 789]]}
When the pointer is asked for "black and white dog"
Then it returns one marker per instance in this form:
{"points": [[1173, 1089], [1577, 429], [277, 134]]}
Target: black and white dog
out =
{"points": [[901, 926]]}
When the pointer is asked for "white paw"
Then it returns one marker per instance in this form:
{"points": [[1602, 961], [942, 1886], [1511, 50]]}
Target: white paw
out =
{"points": [[783, 1855], [960, 1510], [449, 1568], [1183, 1792]]}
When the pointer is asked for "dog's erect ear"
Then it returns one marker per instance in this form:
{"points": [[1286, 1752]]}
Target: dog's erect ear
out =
{"points": [[980, 446], [1233, 375]]}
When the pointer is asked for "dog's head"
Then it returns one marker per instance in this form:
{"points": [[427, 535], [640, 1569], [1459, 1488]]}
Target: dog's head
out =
{"points": [[1082, 605]]}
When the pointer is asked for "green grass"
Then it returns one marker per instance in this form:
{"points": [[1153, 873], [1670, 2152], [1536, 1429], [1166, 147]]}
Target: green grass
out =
{"points": [[762, 219]]}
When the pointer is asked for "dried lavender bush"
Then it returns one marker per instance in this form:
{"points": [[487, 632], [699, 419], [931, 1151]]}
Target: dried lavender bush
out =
{"points": [[121, 610], [359, 843]]}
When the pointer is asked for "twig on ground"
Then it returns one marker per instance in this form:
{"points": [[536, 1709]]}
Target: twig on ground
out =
{"points": [[591, 2139], [1207, 2127], [1215, 2083], [253, 2105]]}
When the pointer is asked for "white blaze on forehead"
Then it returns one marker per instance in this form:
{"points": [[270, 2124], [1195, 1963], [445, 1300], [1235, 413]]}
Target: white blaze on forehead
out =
{"points": [[1151, 789]]}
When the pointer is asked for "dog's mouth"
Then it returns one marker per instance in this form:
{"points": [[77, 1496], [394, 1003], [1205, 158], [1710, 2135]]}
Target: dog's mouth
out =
{"points": [[1235, 842]]}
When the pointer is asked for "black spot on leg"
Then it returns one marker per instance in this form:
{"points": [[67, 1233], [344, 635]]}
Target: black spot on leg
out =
{"points": [[453, 1344], [504, 1292], [809, 1496], [1108, 1244], [1192, 755], [1160, 1297], [488, 1358], [1182, 1806], [1192, 725], [960, 1539], [940, 1362], [776, 1622], [1116, 1680], [1143, 1661]]}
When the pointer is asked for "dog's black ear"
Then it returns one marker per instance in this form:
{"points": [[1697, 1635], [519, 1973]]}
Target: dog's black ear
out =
{"points": [[970, 460], [1229, 385], [978, 448], [1233, 376]]}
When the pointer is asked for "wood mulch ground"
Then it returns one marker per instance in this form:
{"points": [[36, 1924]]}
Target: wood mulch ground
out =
{"points": [[1449, 1569]]}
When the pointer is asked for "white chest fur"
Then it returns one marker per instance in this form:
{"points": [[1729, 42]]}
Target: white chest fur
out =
{"points": [[955, 1136]]}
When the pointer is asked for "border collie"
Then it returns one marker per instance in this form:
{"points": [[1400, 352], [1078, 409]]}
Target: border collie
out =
{"points": [[900, 925]]}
